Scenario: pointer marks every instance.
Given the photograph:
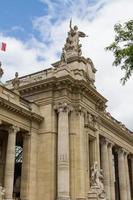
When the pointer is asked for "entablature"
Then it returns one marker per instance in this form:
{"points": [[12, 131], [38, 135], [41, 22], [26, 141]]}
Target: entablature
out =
{"points": [[15, 103], [115, 128], [70, 84]]}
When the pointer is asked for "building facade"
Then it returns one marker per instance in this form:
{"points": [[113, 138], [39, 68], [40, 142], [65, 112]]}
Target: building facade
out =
{"points": [[56, 135]]}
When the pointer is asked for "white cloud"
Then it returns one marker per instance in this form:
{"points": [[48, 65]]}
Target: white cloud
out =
{"points": [[97, 21]]}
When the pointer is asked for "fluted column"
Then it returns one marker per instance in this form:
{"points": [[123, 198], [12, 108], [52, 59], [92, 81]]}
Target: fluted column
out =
{"points": [[105, 166], [111, 171], [127, 177], [10, 161], [122, 175], [63, 191]]}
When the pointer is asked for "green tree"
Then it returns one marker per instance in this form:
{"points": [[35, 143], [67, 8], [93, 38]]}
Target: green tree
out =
{"points": [[122, 48]]}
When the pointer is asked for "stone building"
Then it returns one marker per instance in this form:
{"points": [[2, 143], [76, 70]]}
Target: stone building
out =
{"points": [[56, 136]]}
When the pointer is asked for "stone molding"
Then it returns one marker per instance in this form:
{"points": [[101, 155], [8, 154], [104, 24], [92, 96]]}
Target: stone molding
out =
{"points": [[19, 110], [112, 125]]}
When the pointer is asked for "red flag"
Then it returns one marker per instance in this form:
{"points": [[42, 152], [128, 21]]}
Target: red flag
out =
{"points": [[3, 46]]}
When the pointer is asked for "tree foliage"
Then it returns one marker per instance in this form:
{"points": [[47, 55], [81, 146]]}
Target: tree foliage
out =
{"points": [[122, 48]]}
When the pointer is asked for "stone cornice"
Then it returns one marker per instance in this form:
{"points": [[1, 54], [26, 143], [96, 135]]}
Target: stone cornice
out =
{"points": [[71, 83], [19, 110], [116, 128]]}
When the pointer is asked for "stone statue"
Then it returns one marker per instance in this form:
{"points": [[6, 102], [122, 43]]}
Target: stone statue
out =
{"points": [[97, 180], [16, 82], [2, 193], [72, 42], [63, 56]]}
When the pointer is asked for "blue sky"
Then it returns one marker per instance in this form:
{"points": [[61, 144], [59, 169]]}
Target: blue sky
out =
{"points": [[35, 33], [17, 17]]}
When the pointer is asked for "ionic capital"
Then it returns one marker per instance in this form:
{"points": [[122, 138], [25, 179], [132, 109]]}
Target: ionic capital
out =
{"points": [[13, 129], [62, 107]]}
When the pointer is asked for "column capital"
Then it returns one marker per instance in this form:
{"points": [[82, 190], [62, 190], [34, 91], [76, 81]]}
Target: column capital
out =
{"points": [[79, 109], [13, 129], [62, 107], [103, 140], [122, 151], [110, 144]]}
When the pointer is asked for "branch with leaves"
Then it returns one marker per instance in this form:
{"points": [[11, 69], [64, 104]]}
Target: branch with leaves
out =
{"points": [[122, 48]]}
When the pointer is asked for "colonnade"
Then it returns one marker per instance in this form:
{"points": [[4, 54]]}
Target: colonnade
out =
{"points": [[107, 164], [63, 162], [10, 164]]}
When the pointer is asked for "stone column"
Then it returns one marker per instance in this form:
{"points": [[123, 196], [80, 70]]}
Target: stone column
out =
{"points": [[25, 167], [127, 177], [10, 161], [80, 157], [63, 190], [105, 166], [111, 171], [122, 175]]}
